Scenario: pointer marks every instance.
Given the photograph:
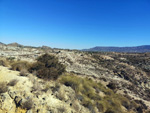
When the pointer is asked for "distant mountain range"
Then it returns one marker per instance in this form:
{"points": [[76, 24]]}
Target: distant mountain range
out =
{"points": [[139, 49]]}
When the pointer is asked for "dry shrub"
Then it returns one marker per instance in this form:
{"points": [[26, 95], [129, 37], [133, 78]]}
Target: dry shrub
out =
{"points": [[13, 82], [76, 106], [28, 104], [3, 87], [36, 86], [46, 87], [32, 78], [112, 85], [3, 62], [10, 59], [23, 72], [61, 94], [20, 65], [100, 106], [62, 109], [47, 67]]}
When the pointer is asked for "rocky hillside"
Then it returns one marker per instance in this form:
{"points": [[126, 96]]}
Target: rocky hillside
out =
{"points": [[94, 82]]}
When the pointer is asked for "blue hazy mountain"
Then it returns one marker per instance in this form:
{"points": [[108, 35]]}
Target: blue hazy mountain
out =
{"points": [[139, 49]]}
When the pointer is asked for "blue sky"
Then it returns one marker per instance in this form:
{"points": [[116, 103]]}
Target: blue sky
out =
{"points": [[75, 24]]}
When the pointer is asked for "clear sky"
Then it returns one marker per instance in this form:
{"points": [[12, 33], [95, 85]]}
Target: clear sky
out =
{"points": [[75, 24]]}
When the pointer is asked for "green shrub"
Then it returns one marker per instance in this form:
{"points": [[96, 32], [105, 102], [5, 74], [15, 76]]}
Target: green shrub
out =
{"points": [[47, 67]]}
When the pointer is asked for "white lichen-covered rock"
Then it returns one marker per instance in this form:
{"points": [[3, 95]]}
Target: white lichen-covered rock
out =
{"points": [[30, 92], [7, 104]]}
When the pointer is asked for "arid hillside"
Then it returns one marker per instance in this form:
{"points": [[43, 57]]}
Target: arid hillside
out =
{"points": [[46, 80]]}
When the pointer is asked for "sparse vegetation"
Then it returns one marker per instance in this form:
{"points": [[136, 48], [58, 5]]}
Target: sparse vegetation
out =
{"points": [[127, 73], [89, 98]]}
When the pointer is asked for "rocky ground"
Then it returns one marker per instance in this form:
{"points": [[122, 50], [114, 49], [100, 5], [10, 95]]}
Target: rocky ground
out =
{"points": [[30, 89], [124, 73]]}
